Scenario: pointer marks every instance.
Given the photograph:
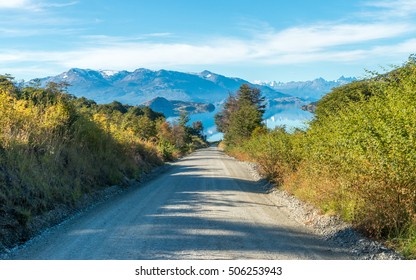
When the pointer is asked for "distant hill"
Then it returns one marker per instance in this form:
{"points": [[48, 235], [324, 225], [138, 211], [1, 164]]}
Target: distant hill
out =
{"points": [[172, 108], [308, 90], [144, 85]]}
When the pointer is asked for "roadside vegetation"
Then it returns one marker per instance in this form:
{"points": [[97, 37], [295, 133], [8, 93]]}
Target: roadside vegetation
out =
{"points": [[55, 149], [357, 159]]}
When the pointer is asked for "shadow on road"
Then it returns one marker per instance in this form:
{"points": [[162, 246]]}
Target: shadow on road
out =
{"points": [[203, 208]]}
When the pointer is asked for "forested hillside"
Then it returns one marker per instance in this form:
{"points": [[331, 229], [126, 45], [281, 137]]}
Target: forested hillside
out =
{"points": [[55, 148], [357, 159]]}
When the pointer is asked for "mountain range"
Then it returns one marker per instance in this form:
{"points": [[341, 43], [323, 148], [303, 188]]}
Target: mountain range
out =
{"points": [[308, 90], [200, 94], [143, 85]]}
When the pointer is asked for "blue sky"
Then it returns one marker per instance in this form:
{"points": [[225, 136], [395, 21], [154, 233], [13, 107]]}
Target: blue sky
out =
{"points": [[251, 39]]}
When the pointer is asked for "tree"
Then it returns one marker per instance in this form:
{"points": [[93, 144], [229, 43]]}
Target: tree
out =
{"points": [[7, 83], [113, 106], [222, 118], [241, 115], [183, 119], [198, 128], [251, 96], [146, 128], [242, 123]]}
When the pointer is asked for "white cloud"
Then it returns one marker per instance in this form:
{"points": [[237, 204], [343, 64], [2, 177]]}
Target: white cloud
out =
{"points": [[317, 38], [14, 4], [404, 48], [338, 42], [58, 5], [33, 5], [10, 57], [291, 46], [394, 8], [131, 56]]}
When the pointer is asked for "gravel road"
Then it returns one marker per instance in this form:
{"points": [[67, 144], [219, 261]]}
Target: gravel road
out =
{"points": [[206, 206]]}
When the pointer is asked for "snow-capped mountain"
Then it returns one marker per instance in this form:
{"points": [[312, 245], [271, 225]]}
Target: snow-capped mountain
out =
{"points": [[108, 73], [141, 85], [309, 90]]}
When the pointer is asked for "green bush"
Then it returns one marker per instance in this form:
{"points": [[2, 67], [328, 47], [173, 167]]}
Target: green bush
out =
{"points": [[357, 159], [274, 152], [370, 143]]}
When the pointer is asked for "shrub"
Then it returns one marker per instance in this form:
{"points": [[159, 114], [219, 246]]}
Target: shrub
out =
{"points": [[357, 159]]}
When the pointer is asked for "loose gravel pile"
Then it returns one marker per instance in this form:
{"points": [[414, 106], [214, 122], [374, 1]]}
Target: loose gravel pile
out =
{"points": [[331, 228]]}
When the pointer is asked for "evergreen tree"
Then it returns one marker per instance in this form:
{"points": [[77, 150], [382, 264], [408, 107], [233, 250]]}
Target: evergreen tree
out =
{"points": [[241, 115]]}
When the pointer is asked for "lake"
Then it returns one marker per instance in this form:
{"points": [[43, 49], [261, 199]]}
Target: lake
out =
{"points": [[289, 115]]}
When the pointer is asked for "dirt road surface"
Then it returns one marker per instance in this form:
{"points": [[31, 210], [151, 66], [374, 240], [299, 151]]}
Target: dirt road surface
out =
{"points": [[206, 206]]}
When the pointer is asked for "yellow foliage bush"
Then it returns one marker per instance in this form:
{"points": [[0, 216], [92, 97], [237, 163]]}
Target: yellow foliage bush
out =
{"points": [[53, 151]]}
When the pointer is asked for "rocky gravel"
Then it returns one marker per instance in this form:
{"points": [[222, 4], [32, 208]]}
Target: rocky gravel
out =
{"points": [[331, 228]]}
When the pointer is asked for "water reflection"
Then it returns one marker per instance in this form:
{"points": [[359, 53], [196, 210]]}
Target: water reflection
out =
{"points": [[207, 119], [289, 115]]}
